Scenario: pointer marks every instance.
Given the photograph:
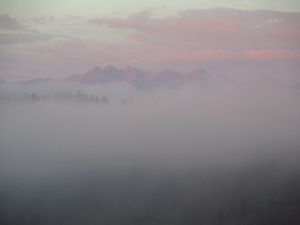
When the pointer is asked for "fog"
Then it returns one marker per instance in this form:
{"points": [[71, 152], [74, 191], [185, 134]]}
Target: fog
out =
{"points": [[192, 155]]}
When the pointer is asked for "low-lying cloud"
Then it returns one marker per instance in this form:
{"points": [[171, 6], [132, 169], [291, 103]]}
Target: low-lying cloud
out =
{"points": [[191, 120], [174, 149]]}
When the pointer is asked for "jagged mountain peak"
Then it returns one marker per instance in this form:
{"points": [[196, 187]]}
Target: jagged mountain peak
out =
{"points": [[266, 79], [128, 67], [96, 68], [140, 78], [40, 81], [135, 76], [110, 67], [199, 70]]}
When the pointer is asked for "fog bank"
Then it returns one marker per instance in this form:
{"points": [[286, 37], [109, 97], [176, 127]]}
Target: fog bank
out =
{"points": [[158, 138]]}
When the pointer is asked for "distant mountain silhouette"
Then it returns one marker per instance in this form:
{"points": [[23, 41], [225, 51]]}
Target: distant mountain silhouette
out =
{"points": [[266, 81], [40, 81], [138, 77], [297, 86], [3, 81], [147, 80], [199, 75]]}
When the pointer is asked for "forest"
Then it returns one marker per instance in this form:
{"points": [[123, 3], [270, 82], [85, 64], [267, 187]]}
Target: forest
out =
{"points": [[262, 191]]}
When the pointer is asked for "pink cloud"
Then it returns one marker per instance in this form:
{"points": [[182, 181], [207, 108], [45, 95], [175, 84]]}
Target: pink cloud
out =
{"points": [[65, 51], [172, 27], [172, 55], [207, 54], [214, 24], [271, 54], [70, 44], [138, 37]]}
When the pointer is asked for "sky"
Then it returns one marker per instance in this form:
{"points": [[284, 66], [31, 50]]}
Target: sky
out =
{"points": [[240, 38]]}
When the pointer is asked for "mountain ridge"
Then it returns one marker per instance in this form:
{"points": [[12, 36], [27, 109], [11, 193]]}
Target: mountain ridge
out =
{"points": [[138, 77], [142, 79]]}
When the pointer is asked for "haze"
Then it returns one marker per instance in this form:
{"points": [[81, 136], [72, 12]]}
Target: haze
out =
{"points": [[72, 146]]}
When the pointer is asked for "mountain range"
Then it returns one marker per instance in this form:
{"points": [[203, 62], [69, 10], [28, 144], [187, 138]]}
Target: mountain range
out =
{"points": [[137, 77], [145, 80]]}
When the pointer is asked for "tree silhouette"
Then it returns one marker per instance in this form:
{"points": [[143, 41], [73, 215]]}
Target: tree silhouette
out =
{"points": [[33, 96], [79, 95], [104, 100]]}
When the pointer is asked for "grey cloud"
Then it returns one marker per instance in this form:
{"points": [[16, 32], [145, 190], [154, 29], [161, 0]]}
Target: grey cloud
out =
{"points": [[43, 19], [8, 23], [52, 19], [74, 17], [39, 19], [17, 38], [15, 32]]}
